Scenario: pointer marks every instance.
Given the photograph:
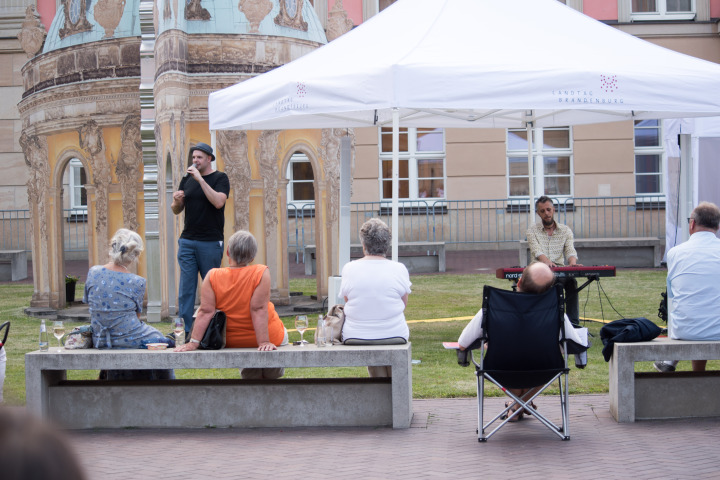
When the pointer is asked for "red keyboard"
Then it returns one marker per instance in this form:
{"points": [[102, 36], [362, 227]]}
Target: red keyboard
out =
{"points": [[514, 273]]}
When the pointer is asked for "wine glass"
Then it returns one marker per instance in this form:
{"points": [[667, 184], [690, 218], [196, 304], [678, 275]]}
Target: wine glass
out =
{"points": [[179, 330], [301, 324], [58, 331]]}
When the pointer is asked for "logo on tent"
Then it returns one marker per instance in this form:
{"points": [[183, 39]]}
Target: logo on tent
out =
{"points": [[609, 83], [301, 89]]}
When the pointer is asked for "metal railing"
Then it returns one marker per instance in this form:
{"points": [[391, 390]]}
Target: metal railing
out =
{"points": [[15, 226], [461, 222], [500, 221]]}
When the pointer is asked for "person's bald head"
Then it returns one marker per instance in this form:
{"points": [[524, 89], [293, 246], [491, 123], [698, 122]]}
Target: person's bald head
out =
{"points": [[536, 278]]}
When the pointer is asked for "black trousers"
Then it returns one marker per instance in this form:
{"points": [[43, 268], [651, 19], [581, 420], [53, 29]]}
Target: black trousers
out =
{"points": [[572, 307]]}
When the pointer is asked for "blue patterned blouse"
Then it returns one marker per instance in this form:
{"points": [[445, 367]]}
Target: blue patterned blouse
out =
{"points": [[115, 298]]}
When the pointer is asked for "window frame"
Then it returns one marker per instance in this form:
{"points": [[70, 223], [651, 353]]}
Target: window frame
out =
{"points": [[539, 153], [412, 156], [298, 157], [651, 150], [662, 14], [76, 208]]}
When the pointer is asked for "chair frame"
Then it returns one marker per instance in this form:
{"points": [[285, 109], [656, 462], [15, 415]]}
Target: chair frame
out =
{"points": [[563, 431]]}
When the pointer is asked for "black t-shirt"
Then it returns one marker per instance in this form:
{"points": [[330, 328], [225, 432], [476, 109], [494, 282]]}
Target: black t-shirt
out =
{"points": [[203, 221]]}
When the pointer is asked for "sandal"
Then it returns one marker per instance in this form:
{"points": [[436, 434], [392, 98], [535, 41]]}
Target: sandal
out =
{"points": [[516, 418], [528, 412]]}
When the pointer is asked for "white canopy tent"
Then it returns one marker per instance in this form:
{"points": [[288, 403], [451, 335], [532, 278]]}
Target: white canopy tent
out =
{"points": [[476, 64], [692, 174]]}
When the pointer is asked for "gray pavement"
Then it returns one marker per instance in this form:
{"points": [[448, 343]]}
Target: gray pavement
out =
{"points": [[441, 443]]}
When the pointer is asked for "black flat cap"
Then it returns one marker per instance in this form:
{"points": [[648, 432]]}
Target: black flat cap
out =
{"points": [[203, 147]]}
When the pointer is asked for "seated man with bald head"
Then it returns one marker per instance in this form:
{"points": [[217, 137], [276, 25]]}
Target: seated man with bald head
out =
{"points": [[536, 278]]}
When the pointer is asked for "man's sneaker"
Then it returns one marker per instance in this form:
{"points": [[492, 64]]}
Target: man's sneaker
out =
{"points": [[664, 367]]}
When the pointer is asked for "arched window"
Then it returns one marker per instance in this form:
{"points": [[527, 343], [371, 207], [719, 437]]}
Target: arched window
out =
{"points": [[300, 189], [77, 181]]}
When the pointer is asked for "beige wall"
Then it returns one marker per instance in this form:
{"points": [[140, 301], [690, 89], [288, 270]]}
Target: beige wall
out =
{"points": [[12, 182]]}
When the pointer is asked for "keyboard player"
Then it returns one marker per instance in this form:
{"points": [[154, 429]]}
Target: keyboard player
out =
{"points": [[553, 244]]}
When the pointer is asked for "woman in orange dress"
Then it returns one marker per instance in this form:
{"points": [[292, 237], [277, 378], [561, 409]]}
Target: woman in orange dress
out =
{"points": [[242, 291]]}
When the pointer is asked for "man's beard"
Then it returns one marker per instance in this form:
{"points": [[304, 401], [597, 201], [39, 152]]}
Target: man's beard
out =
{"points": [[548, 223]]}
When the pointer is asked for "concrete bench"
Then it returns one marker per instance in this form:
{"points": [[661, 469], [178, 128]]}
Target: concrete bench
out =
{"points": [[649, 396], [13, 265], [323, 402], [418, 257], [620, 252]]}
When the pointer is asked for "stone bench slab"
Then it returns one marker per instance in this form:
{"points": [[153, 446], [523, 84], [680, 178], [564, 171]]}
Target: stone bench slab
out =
{"points": [[638, 396], [418, 257], [619, 252], [13, 265], [109, 404]]}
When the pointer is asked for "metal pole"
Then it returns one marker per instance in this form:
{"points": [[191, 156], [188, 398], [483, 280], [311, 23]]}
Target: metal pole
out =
{"points": [[531, 177], [395, 181]]}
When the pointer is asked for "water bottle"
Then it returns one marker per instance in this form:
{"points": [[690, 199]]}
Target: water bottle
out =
{"points": [[43, 337], [320, 342], [581, 360]]}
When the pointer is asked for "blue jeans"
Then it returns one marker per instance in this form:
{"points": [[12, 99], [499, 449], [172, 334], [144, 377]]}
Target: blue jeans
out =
{"points": [[194, 256]]}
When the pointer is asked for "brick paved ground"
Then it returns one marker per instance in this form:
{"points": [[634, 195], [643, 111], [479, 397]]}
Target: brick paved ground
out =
{"points": [[440, 444]]}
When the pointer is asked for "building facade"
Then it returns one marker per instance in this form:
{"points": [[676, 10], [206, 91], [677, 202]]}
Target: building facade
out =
{"points": [[95, 126]]}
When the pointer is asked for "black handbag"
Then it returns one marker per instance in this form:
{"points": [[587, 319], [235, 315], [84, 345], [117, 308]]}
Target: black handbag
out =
{"points": [[214, 338]]}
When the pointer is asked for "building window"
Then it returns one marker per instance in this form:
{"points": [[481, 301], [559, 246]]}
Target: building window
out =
{"points": [[421, 162], [78, 194], [552, 162], [663, 10], [649, 157], [301, 188]]}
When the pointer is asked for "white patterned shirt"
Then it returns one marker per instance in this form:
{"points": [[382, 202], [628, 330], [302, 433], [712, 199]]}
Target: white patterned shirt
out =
{"points": [[558, 247]]}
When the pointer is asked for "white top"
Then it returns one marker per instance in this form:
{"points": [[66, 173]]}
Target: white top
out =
{"points": [[374, 291], [473, 331], [693, 285]]}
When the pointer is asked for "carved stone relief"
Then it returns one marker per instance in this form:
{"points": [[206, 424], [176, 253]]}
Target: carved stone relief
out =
{"points": [[291, 15], [195, 11], [127, 169], [232, 145], [91, 141], [338, 22], [255, 11], [267, 155], [330, 153], [75, 12], [35, 150], [32, 33], [167, 11], [108, 14]]}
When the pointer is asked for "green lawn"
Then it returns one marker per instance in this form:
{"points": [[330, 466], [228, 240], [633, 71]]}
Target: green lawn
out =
{"points": [[633, 293]]}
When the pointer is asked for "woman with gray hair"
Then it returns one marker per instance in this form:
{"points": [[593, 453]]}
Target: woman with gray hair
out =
{"points": [[115, 297], [376, 292], [242, 292]]}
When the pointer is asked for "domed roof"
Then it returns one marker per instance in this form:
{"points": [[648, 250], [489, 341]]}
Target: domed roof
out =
{"points": [[255, 17], [83, 27]]}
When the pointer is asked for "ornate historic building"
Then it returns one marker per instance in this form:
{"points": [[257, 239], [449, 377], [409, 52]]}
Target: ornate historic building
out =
{"points": [[94, 91], [101, 99]]}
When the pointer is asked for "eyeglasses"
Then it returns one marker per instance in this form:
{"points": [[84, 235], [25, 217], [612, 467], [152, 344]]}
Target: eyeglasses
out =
{"points": [[690, 219]]}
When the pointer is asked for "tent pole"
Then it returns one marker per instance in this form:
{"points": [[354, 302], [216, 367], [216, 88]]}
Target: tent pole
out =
{"points": [[395, 181], [531, 177]]}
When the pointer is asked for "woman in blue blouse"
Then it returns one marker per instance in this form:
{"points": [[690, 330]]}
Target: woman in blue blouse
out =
{"points": [[115, 296]]}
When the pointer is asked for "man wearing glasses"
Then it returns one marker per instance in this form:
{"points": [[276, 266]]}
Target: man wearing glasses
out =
{"points": [[693, 284]]}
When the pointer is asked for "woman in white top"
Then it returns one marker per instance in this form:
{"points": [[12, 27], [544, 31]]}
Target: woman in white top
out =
{"points": [[376, 292]]}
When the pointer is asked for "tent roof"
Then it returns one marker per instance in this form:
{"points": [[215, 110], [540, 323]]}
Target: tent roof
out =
{"points": [[474, 63]]}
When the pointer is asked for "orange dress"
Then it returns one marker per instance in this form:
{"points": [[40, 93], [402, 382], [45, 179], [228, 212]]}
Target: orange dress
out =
{"points": [[233, 289]]}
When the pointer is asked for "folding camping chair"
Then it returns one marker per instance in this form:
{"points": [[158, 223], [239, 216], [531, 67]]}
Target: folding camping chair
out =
{"points": [[526, 348]]}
